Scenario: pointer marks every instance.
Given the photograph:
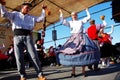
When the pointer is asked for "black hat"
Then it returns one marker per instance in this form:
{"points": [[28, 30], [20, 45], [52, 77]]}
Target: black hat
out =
{"points": [[27, 3]]}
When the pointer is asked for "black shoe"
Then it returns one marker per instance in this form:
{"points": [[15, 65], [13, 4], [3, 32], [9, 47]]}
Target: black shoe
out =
{"points": [[90, 68], [85, 75], [73, 75], [97, 69]]}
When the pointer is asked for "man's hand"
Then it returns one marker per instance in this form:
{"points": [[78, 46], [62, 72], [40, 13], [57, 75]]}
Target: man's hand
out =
{"points": [[60, 11], [3, 2], [44, 7]]}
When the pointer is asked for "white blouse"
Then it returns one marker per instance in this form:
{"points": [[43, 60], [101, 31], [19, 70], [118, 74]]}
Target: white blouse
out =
{"points": [[76, 26]]}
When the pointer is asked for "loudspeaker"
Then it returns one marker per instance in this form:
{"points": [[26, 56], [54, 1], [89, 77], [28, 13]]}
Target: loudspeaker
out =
{"points": [[116, 10], [39, 36], [54, 35]]}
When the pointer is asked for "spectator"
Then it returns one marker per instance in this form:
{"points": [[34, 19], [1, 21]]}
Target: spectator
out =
{"points": [[11, 56], [39, 48], [57, 59], [27, 59], [52, 56]]}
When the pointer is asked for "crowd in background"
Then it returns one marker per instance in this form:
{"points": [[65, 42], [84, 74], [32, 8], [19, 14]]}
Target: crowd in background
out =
{"points": [[47, 58]]}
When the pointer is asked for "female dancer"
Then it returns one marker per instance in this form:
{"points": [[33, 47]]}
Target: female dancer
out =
{"points": [[78, 50], [106, 45]]}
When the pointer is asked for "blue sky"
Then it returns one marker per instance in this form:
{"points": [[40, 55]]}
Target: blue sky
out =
{"points": [[63, 31]]}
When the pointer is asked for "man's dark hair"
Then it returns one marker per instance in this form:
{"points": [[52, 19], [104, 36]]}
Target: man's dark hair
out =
{"points": [[27, 3], [92, 21]]}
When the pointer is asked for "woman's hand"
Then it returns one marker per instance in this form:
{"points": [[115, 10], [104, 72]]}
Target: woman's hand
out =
{"points": [[102, 17]]}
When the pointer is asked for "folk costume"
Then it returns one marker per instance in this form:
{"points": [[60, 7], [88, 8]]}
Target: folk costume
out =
{"points": [[93, 33], [106, 47], [106, 43], [78, 50]]}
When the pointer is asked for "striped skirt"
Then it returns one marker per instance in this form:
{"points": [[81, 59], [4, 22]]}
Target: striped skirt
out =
{"points": [[78, 50]]}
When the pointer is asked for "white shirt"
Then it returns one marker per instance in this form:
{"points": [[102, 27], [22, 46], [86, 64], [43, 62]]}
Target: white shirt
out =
{"points": [[21, 21], [76, 26]]}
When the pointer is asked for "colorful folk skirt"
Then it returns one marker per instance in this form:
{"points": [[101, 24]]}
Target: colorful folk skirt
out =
{"points": [[79, 50]]}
